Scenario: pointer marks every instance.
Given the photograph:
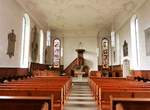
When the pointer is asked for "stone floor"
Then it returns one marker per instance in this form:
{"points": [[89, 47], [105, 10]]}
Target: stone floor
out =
{"points": [[81, 97]]}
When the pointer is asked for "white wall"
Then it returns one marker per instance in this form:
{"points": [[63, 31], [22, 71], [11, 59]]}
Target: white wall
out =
{"points": [[124, 33], [90, 46], [10, 18], [11, 14], [144, 23]]}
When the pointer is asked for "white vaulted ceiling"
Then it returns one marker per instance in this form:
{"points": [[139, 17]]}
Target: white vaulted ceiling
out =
{"points": [[71, 15]]}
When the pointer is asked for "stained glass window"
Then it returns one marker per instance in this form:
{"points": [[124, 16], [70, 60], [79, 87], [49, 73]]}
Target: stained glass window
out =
{"points": [[105, 53], [57, 53]]}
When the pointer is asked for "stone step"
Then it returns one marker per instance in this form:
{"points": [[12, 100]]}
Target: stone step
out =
{"points": [[81, 95], [85, 103], [80, 108], [81, 98]]}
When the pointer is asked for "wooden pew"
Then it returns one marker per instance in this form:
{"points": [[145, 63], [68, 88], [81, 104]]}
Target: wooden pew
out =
{"points": [[103, 88], [104, 96], [58, 95], [43, 82], [41, 86], [26, 103], [130, 103]]}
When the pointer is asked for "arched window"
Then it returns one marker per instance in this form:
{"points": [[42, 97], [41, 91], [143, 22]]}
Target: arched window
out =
{"points": [[48, 40], [57, 53], [113, 47], [41, 45], [25, 41], [135, 42]]}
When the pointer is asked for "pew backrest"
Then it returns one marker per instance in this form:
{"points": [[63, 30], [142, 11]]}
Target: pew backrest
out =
{"points": [[130, 103], [26, 103]]}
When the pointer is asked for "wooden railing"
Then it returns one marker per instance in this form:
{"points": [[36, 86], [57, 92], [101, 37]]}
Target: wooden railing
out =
{"points": [[71, 66], [12, 73], [37, 66]]}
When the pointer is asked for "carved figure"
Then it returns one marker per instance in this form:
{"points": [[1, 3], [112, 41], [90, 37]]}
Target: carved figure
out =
{"points": [[11, 44], [125, 49]]}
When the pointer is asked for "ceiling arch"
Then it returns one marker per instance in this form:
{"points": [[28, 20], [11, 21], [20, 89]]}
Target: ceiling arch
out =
{"points": [[74, 15]]}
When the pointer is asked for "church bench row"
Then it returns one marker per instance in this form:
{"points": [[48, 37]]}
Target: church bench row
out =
{"points": [[45, 78], [51, 83], [117, 84], [113, 84], [26, 103], [59, 87], [8, 74], [45, 73], [39, 85], [105, 82], [58, 95], [55, 91], [104, 96], [48, 82], [103, 88]]}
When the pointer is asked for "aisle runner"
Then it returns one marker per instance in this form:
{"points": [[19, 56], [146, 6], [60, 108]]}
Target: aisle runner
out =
{"points": [[81, 98]]}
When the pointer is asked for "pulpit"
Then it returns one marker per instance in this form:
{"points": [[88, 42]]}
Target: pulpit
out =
{"points": [[80, 60]]}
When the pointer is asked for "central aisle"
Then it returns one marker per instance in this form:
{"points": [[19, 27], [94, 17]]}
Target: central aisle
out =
{"points": [[81, 97]]}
